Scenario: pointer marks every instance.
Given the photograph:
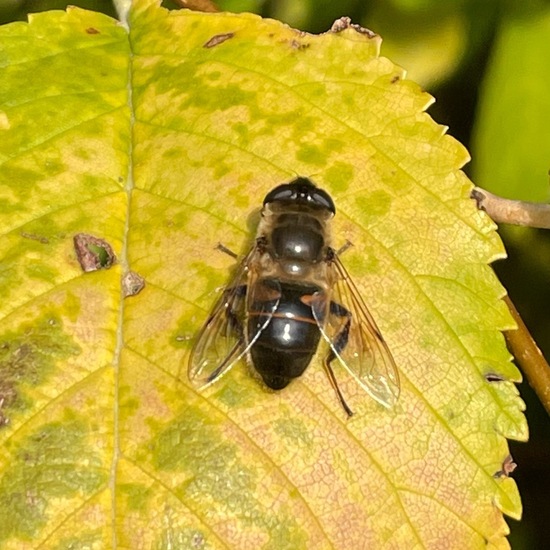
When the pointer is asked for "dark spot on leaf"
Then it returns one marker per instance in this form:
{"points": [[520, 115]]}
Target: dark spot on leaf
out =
{"points": [[33, 237], [345, 23], [93, 253], [27, 356], [91, 30], [132, 284], [494, 377], [296, 45], [395, 79], [508, 466], [479, 197], [218, 39], [197, 540]]}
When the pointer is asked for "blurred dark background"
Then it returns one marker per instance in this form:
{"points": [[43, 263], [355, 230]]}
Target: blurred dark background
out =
{"points": [[479, 59]]}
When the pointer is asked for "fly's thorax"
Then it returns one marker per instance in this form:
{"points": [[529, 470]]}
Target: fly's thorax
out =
{"points": [[288, 269], [294, 269], [295, 235]]}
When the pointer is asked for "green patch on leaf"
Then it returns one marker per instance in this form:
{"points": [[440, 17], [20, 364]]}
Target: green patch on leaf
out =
{"points": [[27, 357], [137, 496], [53, 462], [217, 471], [294, 430]]}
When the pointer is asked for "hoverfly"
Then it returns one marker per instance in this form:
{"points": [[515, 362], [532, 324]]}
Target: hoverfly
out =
{"points": [[290, 289]]}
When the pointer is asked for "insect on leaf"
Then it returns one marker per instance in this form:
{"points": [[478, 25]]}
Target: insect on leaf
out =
{"points": [[159, 139]]}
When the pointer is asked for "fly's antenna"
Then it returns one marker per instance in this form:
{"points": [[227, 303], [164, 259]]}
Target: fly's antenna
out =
{"points": [[309, 176], [314, 176]]}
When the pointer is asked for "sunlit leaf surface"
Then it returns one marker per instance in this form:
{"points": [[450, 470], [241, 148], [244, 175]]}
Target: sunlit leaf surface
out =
{"points": [[159, 144]]}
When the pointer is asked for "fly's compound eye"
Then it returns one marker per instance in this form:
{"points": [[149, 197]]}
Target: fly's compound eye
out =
{"points": [[301, 191], [322, 198], [282, 193]]}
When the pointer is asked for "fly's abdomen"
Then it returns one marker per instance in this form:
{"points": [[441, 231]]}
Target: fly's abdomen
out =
{"points": [[286, 345]]}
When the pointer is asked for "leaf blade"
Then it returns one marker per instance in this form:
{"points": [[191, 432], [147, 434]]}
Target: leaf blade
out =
{"points": [[236, 465]]}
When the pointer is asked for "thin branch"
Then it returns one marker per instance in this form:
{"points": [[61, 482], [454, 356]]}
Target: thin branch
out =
{"points": [[531, 214], [529, 357]]}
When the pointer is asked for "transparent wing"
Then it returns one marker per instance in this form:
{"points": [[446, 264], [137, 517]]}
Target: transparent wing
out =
{"points": [[355, 340], [222, 340]]}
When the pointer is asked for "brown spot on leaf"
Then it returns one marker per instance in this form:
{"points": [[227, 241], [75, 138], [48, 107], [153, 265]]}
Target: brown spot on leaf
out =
{"points": [[132, 284], [494, 377], [93, 253], [33, 237], [395, 79], [218, 39], [197, 540], [296, 45], [91, 30]]}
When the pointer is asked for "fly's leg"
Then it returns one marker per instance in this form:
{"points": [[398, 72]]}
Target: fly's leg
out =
{"points": [[226, 250], [344, 247], [340, 342]]}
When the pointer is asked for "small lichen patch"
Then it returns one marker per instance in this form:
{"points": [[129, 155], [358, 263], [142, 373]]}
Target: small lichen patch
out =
{"points": [[218, 39], [345, 23], [132, 283]]}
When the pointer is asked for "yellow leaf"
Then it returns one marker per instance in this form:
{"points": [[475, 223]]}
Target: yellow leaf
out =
{"points": [[157, 142]]}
